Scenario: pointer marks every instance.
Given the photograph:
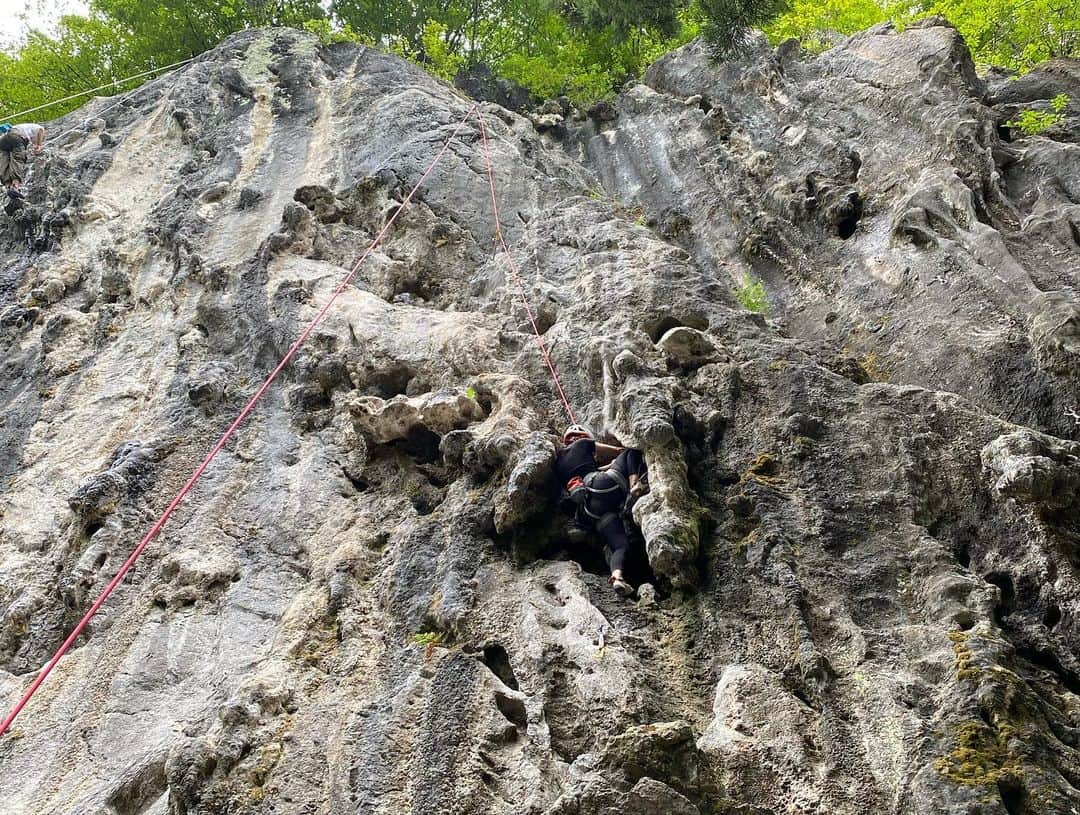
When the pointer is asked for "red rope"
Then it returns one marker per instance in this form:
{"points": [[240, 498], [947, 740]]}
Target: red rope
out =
{"points": [[156, 528], [517, 275]]}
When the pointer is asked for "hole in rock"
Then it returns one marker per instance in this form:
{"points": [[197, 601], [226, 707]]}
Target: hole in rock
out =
{"points": [[100, 560], [963, 555], [966, 620], [136, 795], [92, 527], [1052, 616], [1004, 606], [437, 480], [498, 662], [1012, 795], [513, 709], [847, 225], [567, 719], [217, 585], [1005, 133], [546, 318], [421, 445], [389, 382], [1046, 659], [427, 502], [359, 484], [659, 327]]}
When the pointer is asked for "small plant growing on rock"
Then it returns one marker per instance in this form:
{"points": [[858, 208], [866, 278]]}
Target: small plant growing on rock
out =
{"points": [[429, 641], [427, 638], [1033, 122], [752, 295]]}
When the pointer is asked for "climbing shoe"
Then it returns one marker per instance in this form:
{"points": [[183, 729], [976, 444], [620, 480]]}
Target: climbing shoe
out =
{"points": [[622, 588]]}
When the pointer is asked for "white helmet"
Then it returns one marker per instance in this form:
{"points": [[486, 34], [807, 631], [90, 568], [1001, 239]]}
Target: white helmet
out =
{"points": [[576, 430]]}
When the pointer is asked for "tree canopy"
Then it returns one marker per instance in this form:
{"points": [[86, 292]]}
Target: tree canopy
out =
{"points": [[583, 48]]}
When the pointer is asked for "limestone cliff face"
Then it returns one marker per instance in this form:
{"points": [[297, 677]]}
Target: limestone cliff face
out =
{"points": [[864, 525]]}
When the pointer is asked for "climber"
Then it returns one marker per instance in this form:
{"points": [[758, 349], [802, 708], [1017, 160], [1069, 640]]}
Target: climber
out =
{"points": [[13, 143], [603, 481]]}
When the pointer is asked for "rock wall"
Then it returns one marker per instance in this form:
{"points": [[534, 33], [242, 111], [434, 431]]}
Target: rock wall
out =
{"points": [[863, 528]]}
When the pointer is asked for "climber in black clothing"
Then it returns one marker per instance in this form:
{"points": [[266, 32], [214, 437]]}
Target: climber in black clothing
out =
{"points": [[602, 480]]}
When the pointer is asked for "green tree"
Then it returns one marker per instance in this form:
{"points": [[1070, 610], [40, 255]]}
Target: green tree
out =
{"points": [[167, 30], [817, 22], [727, 24], [626, 17], [85, 53], [1014, 34]]}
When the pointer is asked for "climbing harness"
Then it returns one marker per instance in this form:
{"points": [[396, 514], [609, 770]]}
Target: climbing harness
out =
{"points": [[581, 489], [250, 405]]}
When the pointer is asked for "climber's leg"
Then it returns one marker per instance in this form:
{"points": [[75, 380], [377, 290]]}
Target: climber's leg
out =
{"points": [[617, 543], [17, 167], [631, 464]]}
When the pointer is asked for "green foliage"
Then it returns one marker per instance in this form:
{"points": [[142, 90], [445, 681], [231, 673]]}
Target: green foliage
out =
{"points": [[816, 23], [328, 34], [119, 38], [585, 49], [1015, 34], [727, 24], [1033, 122], [752, 295], [626, 17], [440, 57], [586, 65], [427, 639]]}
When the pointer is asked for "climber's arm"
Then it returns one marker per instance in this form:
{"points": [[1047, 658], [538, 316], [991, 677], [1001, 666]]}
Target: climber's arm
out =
{"points": [[606, 453]]}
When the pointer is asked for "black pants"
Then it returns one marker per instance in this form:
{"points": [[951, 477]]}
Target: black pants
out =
{"points": [[609, 506]]}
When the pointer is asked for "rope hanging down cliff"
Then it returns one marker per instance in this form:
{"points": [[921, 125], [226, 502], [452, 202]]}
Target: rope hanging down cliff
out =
{"points": [[249, 407], [112, 84], [501, 238]]}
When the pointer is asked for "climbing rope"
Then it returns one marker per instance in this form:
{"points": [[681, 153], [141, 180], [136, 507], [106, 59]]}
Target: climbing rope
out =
{"points": [[195, 476], [249, 407], [501, 238], [99, 113], [112, 84]]}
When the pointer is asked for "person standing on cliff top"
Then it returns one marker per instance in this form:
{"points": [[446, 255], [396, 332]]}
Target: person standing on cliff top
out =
{"points": [[602, 492], [13, 144]]}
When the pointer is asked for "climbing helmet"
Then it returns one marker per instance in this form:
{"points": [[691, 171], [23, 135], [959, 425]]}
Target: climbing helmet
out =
{"points": [[576, 431]]}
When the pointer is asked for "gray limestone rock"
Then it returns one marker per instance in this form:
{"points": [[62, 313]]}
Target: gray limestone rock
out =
{"points": [[859, 583]]}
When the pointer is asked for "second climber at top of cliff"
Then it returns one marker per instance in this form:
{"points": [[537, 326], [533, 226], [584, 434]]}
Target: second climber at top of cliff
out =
{"points": [[14, 141], [602, 480]]}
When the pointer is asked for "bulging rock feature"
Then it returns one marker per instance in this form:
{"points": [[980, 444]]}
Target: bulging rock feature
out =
{"points": [[1035, 469], [856, 565]]}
